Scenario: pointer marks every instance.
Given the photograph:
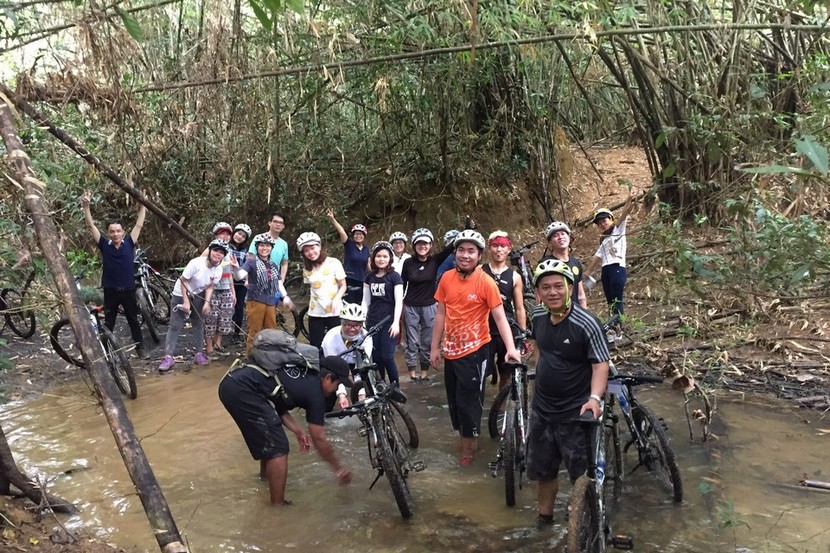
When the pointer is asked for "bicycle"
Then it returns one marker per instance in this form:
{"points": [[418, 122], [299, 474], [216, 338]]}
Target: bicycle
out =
{"points": [[147, 298], [13, 307], [389, 454], [518, 260], [61, 333], [298, 291]]}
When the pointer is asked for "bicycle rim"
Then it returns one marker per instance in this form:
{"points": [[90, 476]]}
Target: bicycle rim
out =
{"points": [[392, 469], [18, 318], [660, 458], [62, 338], [160, 302], [118, 364], [511, 456], [583, 519], [496, 415]]}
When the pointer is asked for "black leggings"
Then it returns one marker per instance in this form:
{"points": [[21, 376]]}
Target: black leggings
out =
{"points": [[317, 328]]}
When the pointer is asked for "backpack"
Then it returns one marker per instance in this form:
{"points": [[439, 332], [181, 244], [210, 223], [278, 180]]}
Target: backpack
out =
{"points": [[275, 350]]}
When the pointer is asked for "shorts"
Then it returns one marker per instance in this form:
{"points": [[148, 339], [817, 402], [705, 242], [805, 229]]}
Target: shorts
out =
{"points": [[551, 444], [259, 423]]}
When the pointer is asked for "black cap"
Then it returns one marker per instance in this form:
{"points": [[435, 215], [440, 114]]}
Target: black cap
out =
{"points": [[338, 367]]}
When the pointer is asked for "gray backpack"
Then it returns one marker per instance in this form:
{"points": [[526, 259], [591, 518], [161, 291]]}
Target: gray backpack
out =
{"points": [[275, 349]]}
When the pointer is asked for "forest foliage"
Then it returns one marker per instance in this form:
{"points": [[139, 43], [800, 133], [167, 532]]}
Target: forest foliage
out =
{"points": [[410, 113]]}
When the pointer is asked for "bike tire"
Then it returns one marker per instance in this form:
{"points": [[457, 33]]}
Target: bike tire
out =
{"points": [[161, 303], [412, 430], [302, 322], [118, 364], [18, 318], [62, 338], [661, 458], [493, 426], [510, 457], [394, 473], [583, 519], [530, 305], [297, 290], [614, 471], [148, 318], [287, 321]]}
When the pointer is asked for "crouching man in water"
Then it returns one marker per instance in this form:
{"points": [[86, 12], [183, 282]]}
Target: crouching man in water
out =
{"points": [[260, 392]]}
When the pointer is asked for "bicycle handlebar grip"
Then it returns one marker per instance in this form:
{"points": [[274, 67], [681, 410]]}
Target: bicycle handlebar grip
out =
{"points": [[648, 379], [514, 364]]}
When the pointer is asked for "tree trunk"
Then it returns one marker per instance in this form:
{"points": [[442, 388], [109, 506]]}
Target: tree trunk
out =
{"points": [[161, 520], [10, 474]]}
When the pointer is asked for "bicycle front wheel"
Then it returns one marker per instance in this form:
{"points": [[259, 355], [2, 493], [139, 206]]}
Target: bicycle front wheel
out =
{"points": [[510, 454], [302, 322], [147, 316], [584, 534], [161, 303], [493, 426], [660, 457], [118, 364], [20, 319], [394, 473], [62, 338], [412, 430], [612, 485]]}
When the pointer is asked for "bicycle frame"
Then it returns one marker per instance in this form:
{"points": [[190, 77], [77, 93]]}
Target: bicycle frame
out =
{"points": [[517, 259]]}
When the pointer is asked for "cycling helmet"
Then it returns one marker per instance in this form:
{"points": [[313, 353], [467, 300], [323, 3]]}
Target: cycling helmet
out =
{"points": [[398, 236], [469, 236], [244, 228], [264, 238], [422, 235], [308, 239], [222, 226], [353, 312], [603, 213], [449, 236], [552, 266], [382, 245], [556, 226], [359, 228], [218, 244]]}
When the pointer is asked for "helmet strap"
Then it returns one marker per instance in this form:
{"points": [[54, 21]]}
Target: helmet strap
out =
{"points": [[561, 314]]}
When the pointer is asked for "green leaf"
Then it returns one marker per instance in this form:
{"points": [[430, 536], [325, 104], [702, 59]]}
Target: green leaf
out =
{"points": [[776, 169], [661, 139], [669, 171], [815, 152], [273, 5], [131, 25], [757, 91], [296, 5], [259, 11]]}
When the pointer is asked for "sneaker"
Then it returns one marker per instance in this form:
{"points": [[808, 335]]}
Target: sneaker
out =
{"points": [[166, 365], [543, 521], [201, 359], [141, 352], [221, 351]]}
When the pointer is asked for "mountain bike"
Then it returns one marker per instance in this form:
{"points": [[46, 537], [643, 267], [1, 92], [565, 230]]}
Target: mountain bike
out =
{"points": [[155, 290], [15, 310], [62, 338], [298, 291], [647, 432], [388, 451], [518, 260], [495, 417]]}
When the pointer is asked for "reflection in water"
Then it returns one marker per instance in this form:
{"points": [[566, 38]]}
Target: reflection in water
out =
{"points": [[221, 505]]}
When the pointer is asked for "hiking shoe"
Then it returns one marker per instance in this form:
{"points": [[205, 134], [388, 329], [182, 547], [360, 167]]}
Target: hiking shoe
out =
{"points": [[201, 359], [141, 352], [166, 365], [221, 351]]}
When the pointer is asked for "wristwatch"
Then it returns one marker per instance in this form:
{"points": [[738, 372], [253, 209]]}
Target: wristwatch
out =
{"points": [[596, 397]]}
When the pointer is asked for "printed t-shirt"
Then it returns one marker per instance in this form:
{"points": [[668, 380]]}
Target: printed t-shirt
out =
{"points": [[198, 275], [382, 292], [322, 282], [467, 305]]}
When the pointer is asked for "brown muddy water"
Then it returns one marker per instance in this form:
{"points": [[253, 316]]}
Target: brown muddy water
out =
{"points": [[741, 492]]}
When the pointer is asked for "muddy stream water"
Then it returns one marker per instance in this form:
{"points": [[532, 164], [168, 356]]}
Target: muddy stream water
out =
{"points": [[741, 490]]}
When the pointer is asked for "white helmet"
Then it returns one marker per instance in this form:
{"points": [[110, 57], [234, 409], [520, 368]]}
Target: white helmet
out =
{"points": [[218, 244], [307, 239], [449, 236], [555, 227], [422, 235], [353, 312], [244, 228], [469, 236], [264, 238], [398, 236], [221, 226]]}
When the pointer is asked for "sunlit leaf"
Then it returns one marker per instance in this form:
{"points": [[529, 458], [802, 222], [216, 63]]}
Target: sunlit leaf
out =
{"points": [[815, 152], [774, 169], [259, 11], [131, 25], [296, 5]]}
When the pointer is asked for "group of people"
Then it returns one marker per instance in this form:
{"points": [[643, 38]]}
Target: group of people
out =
{"points": [[462, 318]]}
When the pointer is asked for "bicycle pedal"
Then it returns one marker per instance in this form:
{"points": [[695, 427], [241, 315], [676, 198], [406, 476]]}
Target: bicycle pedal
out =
{"points": [[622, 541], [418, 466]]}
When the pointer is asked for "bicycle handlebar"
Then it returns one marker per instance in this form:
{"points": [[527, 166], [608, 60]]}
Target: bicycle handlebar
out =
{"points": [[611, 322], [370, 332]]}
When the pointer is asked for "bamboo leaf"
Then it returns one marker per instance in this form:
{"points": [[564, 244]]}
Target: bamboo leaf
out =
{"points": [[774, 169], [273, 5], [259, 11], [296, 5], [815, 152], [131, 25], [661, 139], [669, 171]]}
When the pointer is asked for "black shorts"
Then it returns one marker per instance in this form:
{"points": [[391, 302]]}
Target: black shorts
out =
{"points": [[259, 423], [551, 444]]}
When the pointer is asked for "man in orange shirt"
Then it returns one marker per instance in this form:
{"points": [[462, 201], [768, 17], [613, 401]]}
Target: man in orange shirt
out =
{"points": [[466, 297]]}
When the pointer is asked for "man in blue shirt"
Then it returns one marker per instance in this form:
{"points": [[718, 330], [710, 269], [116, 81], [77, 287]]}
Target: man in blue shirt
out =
{"points": [[118, 275]]}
